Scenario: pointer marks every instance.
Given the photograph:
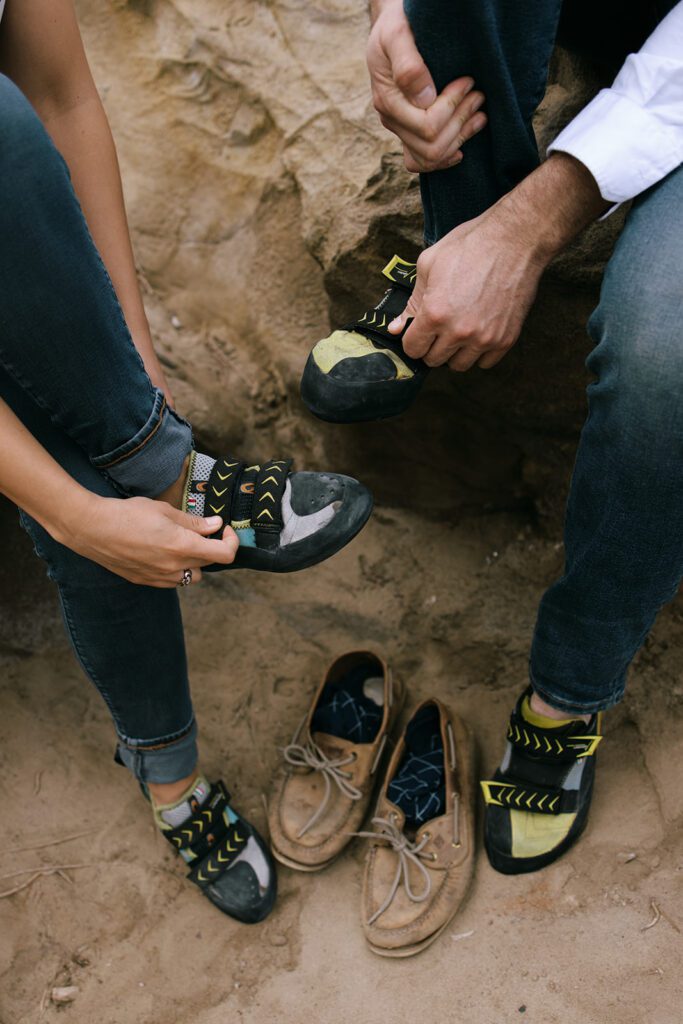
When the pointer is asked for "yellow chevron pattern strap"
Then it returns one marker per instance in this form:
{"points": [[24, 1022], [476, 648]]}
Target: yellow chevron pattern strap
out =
{"points": [[538, 742], [523, 798], [221, 855]]}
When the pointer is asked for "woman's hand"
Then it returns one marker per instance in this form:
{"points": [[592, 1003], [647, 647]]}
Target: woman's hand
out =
{"points": [[147, 542]]}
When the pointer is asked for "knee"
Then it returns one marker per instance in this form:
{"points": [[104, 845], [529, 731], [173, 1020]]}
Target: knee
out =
{"points": [[64, 566], [636, 328], [26, 144]]}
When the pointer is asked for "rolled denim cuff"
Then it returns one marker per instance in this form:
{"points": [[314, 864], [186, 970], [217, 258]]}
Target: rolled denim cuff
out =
{"points": [[153, 459], [570, 705], [163, 760]]}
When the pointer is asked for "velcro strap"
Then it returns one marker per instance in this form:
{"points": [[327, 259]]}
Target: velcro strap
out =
{"points": [[222, 487], [206, 827], [536, 799], [545, 744], [221, 857], [266, 512]]}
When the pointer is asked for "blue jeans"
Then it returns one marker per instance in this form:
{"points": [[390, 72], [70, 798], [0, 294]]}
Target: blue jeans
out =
{"points": [[70, 372], [624, 524]]}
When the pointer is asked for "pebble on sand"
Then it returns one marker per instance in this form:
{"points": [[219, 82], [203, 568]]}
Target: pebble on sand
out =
{"points": [[64, 994]]}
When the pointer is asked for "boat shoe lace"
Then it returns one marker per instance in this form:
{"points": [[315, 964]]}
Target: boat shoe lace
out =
{"points": [[408, 852], [310, 755]]}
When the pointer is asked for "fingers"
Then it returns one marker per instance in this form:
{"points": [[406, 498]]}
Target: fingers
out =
{"points": [[197, 524], [177, 578], [415, 165], [419, 338], [464, 359], [398, 114], [197, 547], [436, 153], [490, 359], [411, 74], [422, 332], [203, 551]]}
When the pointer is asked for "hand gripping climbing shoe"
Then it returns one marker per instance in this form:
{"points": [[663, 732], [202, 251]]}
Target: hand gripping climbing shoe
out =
{"points": [[228, 859], [538, 801], [284, 521], [361, 371]]}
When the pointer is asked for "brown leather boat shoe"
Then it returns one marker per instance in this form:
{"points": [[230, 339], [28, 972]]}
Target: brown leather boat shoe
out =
{"points": [[324, 787], [419, 866]]}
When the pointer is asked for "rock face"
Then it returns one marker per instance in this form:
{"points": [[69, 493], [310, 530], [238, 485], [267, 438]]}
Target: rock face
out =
{"points": [[264, 198]]}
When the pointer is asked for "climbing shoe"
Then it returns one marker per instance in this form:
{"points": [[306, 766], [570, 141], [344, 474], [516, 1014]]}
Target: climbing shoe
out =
{"points": [[361, 371], [228, 859], [538, 801], [419, 864], [284, 521], [325, 784]]}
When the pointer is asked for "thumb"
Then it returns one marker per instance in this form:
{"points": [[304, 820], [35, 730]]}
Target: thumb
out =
{"points": [[197, 524], [411, 74], [399, 325]]}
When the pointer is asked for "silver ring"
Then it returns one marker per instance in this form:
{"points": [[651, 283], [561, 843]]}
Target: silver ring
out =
{"points": [[187, 578]]}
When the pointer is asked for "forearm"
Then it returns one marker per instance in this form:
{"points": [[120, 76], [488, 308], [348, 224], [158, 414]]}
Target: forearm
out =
{"points": [[550, 207], [59, 501]]}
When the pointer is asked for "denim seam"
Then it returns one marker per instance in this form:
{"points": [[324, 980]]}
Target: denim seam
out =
{"points": [[81, 656]]}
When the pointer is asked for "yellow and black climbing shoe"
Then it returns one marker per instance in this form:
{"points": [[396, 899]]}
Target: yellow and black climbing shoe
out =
{"points": [[538, 801], [227, 858], [284, 521], [361, 371]]}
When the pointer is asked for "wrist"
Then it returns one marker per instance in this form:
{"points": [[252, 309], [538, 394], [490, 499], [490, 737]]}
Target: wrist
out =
{"points": [[550, 207], [77, 509]]}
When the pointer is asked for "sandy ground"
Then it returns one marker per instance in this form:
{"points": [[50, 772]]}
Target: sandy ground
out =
{"points": [[452, 606]]}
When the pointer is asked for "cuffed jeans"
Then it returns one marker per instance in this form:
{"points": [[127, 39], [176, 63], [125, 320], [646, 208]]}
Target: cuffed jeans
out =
{"points": [[624, 524], [70, 372]]}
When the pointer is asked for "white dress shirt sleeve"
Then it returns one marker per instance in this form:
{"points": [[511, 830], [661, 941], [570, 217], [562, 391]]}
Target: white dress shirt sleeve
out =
{"points": [[631, 136]]}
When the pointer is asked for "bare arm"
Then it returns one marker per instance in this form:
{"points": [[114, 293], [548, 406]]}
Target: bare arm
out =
{"points": [[42, 52]]}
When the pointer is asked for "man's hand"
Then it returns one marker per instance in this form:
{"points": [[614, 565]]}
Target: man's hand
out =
{"points": [[475, 287], [433, 129], [473, 291]]}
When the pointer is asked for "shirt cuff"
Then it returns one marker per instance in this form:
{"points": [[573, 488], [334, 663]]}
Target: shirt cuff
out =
{"points": [[625, 147]]}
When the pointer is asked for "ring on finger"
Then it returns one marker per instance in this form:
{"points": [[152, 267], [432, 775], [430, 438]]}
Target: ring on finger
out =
{"points": [[186, 578]]}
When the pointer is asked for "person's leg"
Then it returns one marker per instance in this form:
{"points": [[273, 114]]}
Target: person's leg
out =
{"points": [[128, 638], [623, 543], [129, 641], [63, 337], [506, 48], [624, 527]]}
